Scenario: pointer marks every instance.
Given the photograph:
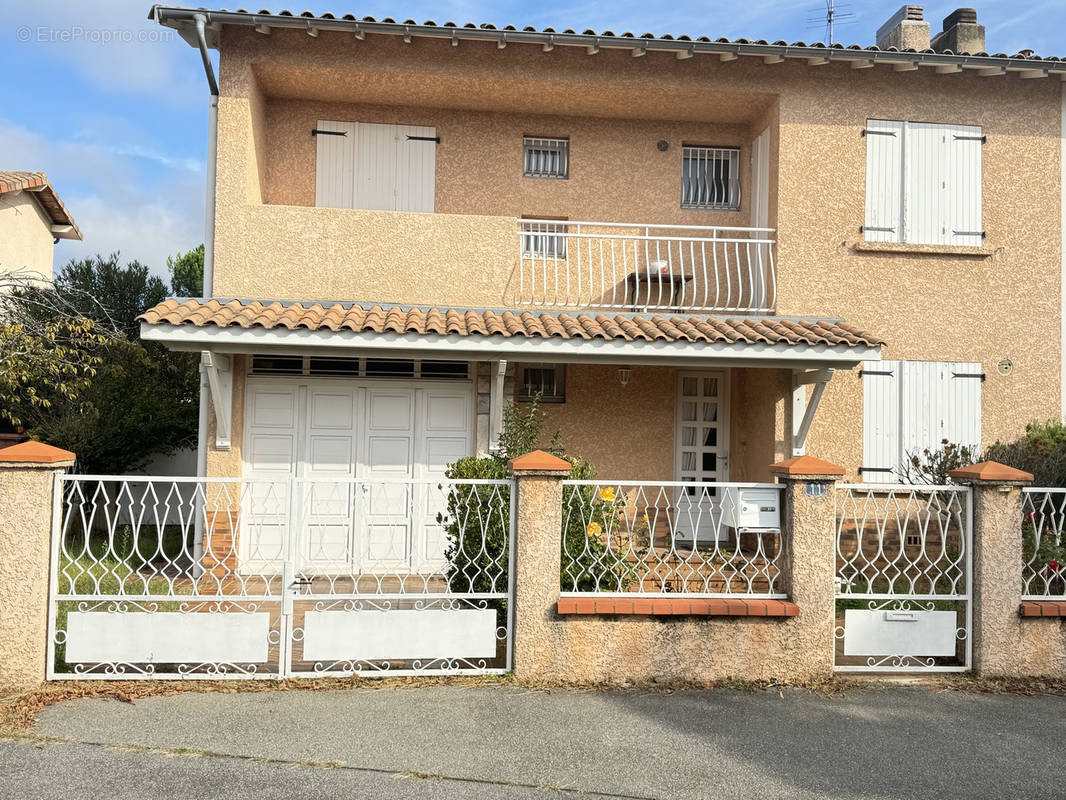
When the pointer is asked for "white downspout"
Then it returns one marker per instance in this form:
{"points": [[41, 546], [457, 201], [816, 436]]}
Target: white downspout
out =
{"points": [[209, 260]]}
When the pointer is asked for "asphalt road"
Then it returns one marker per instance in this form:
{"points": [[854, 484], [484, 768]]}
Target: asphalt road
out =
{"points": [[507, 742]]}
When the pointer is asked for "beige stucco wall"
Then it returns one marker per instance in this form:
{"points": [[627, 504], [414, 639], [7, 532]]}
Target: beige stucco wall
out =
{"points": [[25, 536], [25, 234], [1004, 642], [929, 305], [590, 649]]}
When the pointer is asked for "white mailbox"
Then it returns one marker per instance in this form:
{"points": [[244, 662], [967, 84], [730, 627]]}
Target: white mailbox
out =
{"points": [[753, 509]]}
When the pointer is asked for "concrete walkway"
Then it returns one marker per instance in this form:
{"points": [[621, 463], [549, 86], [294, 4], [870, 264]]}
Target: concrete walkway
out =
{"points": [[502, 742]]}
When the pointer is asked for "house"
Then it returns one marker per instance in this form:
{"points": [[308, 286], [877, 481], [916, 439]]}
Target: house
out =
{"points": [[32, 220], [705, 256]]}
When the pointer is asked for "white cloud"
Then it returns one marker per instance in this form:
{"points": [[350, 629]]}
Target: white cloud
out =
{"points": [[118, 205], [112, 44]]}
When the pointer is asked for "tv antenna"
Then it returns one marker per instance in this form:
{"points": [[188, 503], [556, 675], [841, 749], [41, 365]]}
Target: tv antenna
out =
{"points": [[832, 16]]}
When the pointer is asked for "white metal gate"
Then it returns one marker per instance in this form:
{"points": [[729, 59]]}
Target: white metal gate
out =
{"points": [[243, 578], [904, 561]]}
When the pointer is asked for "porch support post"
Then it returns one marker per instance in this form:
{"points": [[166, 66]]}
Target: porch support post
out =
{"points": [[499, 372], [999, 632], [809, 555], [29, 497], [220, 380], [803, 411], [538, 558]]}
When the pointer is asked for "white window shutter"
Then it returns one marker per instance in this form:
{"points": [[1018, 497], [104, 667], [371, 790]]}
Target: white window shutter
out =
{"points": [[926, 191], [884, 181], [335, 165], [880, 421], [924, 394], [963, 165], [394, 172], [962, 411]]}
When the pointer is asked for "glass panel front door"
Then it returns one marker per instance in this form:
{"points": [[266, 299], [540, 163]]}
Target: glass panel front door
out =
{"points": [[702, 451]]}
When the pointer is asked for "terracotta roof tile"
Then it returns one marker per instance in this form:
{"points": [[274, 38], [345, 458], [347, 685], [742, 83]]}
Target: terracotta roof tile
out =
{"points": [[541, 324], [45, 194]]}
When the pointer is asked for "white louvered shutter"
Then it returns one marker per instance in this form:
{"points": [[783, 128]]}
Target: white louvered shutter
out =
{"points": [[962, 411], [963, 164], [335, 165], [880, 421], [917, 407], [394, 172], [884, 182]]}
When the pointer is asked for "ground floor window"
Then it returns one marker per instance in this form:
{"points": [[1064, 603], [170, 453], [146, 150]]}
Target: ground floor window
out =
{"points": [[548, 381], [911, 406]]}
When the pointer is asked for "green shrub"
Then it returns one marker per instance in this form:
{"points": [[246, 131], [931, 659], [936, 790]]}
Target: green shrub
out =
{"points": [[930, 466], [478, 516], [1041, 451]]}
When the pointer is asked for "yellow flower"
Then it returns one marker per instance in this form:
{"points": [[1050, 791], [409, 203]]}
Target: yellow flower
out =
{"points": [[645, 518], [607, 494], [593, 529]]}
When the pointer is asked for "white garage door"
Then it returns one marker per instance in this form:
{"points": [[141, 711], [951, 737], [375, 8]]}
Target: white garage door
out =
{"points": [[362, 445]]}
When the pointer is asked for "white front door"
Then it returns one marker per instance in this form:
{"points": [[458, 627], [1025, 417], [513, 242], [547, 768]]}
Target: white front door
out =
{"points": [[702, 450], [387, 435]]}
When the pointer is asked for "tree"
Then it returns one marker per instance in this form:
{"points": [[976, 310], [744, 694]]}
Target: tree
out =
{"points": [[142, 399], [48, 348], [187, 273]]}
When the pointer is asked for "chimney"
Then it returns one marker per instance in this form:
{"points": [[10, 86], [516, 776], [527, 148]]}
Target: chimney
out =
{"points": [[905, 30], [961, 33]]}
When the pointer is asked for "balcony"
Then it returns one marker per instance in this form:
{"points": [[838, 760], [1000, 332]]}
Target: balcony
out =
{"points": [[639, 267], [467, 260]]}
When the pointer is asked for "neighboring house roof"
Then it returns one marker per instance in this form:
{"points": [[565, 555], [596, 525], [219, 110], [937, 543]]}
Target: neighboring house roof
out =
{"points": [[38, 185], [521, 324], [683, 45]]}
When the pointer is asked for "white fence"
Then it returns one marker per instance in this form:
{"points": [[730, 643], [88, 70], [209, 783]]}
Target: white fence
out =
{"points": [[216, 577], [903, 572], [671, 538], [1043, 544], [639, 267]]}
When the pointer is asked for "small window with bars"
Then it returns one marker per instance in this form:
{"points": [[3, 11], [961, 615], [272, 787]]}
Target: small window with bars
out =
{"points": [[710, 178], [544, 239], [545, 158], [546, 381]]}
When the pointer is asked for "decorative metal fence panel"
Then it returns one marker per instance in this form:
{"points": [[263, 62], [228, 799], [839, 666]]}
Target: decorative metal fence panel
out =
{"points": [[672, 538], [904, 563], [1043, 544], [213, 577]]}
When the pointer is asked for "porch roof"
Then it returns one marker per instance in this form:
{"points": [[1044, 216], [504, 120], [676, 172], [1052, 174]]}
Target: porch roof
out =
{"points": [[237, 325]]}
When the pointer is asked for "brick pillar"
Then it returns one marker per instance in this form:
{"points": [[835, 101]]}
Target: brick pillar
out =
{"points": [[808, 531], [28, 473], [538, 558], [997, 566]]}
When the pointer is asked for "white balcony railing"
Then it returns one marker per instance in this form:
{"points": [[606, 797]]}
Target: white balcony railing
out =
{"points": [[639, 267]]}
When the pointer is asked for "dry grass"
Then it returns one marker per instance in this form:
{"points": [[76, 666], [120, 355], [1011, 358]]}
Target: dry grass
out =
{"points": [[18, 711]]}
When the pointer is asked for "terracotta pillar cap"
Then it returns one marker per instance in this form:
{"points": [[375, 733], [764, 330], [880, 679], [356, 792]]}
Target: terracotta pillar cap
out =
{"points": [[806, 466], [538, 461], [989, 471], [34, 453]]}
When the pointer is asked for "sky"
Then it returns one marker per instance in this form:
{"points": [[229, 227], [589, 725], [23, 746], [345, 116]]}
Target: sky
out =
{"points": [[114, 107]]}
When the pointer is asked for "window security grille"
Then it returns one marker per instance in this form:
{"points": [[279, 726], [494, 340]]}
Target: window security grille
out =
{"points": [[543, 239], [315, 367], [710, 178], [546, 380], [545, 158]]}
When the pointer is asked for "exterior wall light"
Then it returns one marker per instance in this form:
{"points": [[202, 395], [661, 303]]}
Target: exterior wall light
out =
{"points": [[624, 374]]}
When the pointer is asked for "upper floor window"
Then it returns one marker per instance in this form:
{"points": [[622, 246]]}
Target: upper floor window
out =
{"points": [[923, 183], [710, 178], [544, 239], [375, 166], [545, 158]]}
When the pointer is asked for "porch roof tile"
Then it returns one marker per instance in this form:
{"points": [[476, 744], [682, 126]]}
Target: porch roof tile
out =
{"points": [[670, 327]]}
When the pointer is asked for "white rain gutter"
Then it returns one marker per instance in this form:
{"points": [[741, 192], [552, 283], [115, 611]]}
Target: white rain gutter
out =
{"points": [[988, 66]]}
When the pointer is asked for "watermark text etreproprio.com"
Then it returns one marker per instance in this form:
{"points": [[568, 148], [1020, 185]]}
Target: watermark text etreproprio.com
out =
{"points": [[77, 33]]}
